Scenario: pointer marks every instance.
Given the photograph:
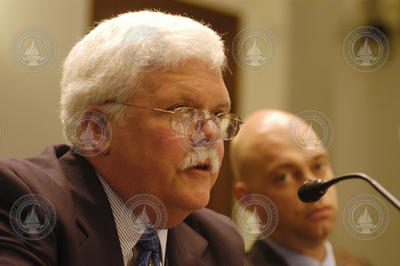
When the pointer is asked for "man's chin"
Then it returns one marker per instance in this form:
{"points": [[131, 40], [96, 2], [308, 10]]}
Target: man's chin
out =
{"points": [[193, 191], [195, 201], [319, 232]]}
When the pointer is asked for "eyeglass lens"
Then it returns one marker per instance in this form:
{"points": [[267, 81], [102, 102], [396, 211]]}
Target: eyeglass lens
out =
{"points": [[191, 122]]}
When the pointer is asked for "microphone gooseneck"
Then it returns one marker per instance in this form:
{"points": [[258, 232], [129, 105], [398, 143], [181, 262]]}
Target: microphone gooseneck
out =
{"points": [[313, 190]]}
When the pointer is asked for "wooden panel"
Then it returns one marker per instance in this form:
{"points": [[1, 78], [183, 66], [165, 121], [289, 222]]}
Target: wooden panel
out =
{"points": [[225, 24]]}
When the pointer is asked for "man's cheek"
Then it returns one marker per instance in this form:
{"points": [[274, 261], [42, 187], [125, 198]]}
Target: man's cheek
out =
{"points": [[168, 138]]}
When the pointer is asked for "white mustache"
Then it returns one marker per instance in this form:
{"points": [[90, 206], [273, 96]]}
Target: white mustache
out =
{"points": [[201, 156]]}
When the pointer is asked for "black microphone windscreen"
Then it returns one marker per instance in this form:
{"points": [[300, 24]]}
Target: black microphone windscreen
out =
{"points": [[311, 190]]}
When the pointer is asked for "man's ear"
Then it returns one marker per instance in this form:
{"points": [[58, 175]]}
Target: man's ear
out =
{"points": [[96, 122], [240, 189]]}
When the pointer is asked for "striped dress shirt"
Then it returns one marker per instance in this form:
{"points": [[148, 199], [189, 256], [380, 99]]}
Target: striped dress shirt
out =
{"points": [[129, 232]]}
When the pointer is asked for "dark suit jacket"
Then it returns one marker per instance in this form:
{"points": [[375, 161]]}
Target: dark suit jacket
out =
{"points": [[261, 254], [85, 232]]}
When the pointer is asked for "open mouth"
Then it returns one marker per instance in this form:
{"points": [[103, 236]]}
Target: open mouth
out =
{"points": [[203, 167]]}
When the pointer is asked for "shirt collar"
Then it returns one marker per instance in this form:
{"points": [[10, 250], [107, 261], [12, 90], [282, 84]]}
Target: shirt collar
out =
{"points": [[294, 258], [128, 233]]}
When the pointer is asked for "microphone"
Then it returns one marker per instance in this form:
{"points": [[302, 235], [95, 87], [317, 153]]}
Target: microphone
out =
{"points": [[313, 190]]}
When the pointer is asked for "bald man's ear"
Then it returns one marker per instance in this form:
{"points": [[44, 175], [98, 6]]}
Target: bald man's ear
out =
{"points": [[240, 189]]}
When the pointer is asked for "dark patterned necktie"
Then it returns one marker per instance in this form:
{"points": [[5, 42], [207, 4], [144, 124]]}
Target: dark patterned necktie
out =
{"points": [[149, 249]]}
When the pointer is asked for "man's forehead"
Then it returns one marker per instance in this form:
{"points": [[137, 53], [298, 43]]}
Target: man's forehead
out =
{"points": [[214, 97], [188, 86], [274, 145]]}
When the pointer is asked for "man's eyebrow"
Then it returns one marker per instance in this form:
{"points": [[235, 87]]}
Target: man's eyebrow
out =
{"points": [[280, 166], [188, 98], [320, 156]]}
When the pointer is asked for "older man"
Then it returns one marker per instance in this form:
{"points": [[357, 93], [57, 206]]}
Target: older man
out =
{"points": [[269, 161], [146, 110]]}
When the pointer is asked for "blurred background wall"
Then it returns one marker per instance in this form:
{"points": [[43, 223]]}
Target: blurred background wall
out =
{"points": [[29, 101], [309, 73]]}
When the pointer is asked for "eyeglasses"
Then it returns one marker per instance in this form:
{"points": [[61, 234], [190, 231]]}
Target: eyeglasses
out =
{"points": [[186, 121]]}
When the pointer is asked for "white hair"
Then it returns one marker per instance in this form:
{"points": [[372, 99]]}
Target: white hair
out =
{"points": [[103, 66]]}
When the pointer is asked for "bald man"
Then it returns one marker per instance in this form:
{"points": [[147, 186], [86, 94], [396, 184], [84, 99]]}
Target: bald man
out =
{"points": [[273, 154]]}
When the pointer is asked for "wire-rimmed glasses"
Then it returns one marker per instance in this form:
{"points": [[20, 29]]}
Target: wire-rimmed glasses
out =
{"points": [[187, 121]]}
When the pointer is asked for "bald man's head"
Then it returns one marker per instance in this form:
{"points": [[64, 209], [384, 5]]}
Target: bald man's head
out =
{"points": [[253, 133], [264, 129], [269, 157]]}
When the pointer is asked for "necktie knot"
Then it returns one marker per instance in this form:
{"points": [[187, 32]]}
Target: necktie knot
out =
{"points": [[149, 248]]}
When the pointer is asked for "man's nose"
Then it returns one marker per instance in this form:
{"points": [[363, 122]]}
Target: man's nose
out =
{"points": [[308, 174], [211, 129], [205, 133]]}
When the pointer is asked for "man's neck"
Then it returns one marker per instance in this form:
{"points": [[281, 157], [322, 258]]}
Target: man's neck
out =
{"points": [[174, 215], [313, 248]]}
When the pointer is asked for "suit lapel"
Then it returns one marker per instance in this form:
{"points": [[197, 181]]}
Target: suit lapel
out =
{"points": [[185, 246], [94, 219], [262, 253]]}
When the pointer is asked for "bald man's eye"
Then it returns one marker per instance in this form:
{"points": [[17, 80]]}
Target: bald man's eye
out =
{"points": [[319, 167], [283, 178]]}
